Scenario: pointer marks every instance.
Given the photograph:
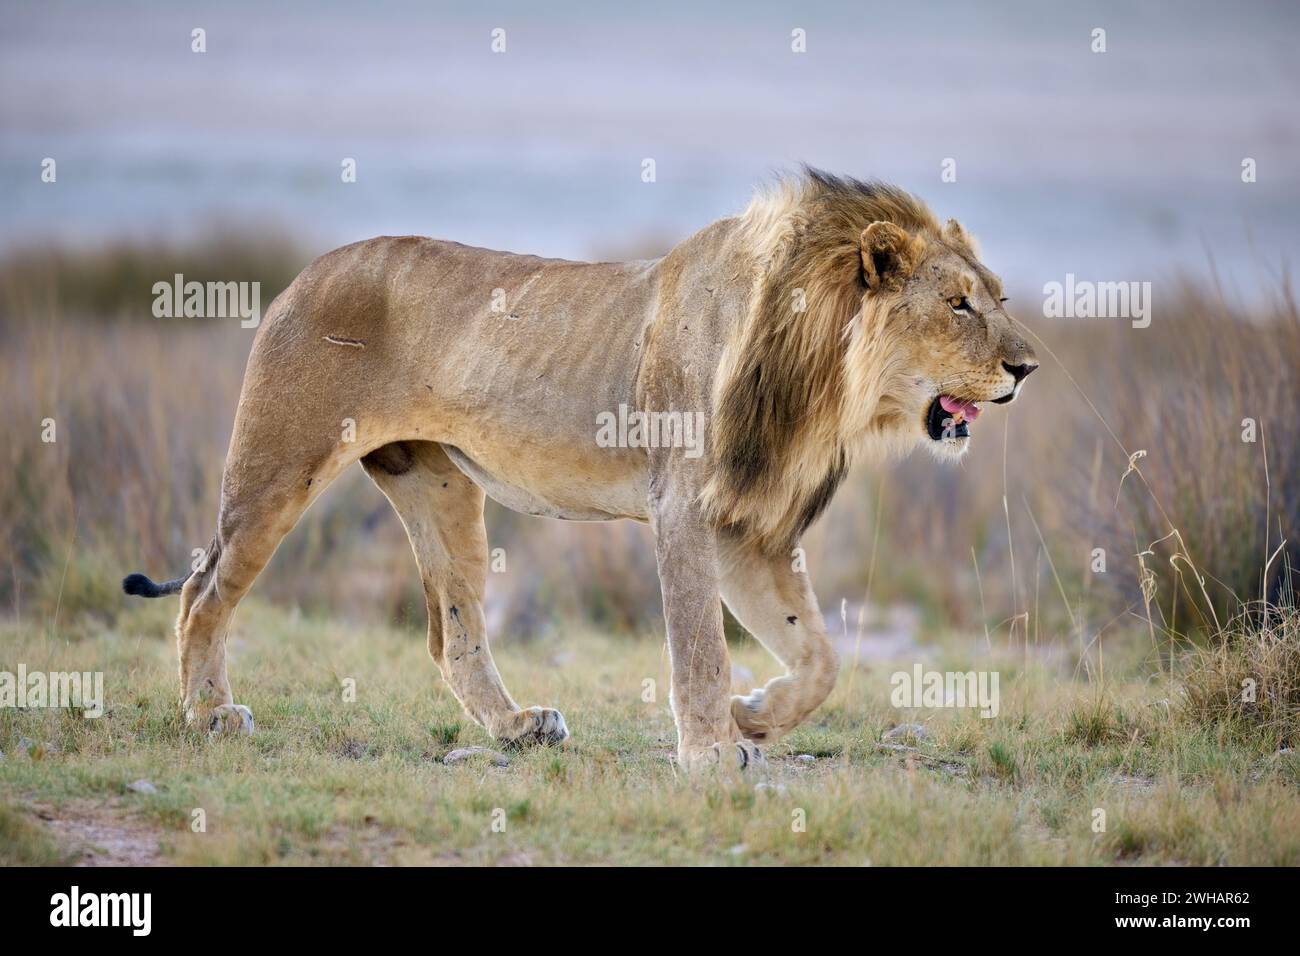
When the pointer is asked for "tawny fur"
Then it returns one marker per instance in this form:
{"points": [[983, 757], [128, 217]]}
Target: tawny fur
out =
{"points": [[815, 327], [812, 356]]}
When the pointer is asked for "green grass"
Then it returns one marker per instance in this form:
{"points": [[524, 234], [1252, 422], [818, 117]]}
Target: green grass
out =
{"points": [[324, 781], [132, 480], [25, 842]]}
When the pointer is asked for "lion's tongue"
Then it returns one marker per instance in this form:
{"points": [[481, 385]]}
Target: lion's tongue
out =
{"points": [[955, 406]]}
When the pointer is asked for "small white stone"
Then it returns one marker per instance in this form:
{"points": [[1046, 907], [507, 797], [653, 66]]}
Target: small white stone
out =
{"points": [[903, 731]]}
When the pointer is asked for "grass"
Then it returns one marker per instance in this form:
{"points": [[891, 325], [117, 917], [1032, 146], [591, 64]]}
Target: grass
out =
{"points": [[144, 406], [1249, 679], [24, 842], [115, 279], [326, 781], [1122, 684]]}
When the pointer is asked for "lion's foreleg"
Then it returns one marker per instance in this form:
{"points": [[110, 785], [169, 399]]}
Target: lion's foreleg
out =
{"points": [[685, 548], [772, 597]]}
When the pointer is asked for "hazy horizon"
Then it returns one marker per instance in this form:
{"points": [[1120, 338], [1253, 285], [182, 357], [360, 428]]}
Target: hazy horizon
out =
{"points": [[1067, 160]]}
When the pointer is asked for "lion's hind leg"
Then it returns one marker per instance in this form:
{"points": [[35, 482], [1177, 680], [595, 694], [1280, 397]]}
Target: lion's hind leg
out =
{"points": [[262, 499], [442, 511]]}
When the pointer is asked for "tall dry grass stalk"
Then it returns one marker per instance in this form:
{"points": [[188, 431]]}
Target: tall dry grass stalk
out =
{"points": [[1249, 678], [1200, 513], [143, 409]]}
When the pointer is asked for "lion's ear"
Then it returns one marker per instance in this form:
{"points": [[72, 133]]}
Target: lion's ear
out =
{"points": [[953, 232], [889, 254]]}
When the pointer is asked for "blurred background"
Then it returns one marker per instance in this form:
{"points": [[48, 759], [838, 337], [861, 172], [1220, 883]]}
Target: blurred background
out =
{"points": [[225, 165]]}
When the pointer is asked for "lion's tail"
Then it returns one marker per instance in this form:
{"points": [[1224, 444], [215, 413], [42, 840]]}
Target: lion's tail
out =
{"points": [[141, 586]]}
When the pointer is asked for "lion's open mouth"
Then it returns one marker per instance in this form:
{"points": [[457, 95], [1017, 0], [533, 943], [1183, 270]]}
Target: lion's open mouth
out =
{"points": [[949, 418]]}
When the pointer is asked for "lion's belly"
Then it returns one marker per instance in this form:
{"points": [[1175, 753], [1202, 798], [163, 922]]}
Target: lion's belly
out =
{"points": [[549, 489]]}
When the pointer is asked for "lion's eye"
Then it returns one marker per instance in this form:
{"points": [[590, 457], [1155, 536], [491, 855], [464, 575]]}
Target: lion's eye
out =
{"points": [[959, 303]]}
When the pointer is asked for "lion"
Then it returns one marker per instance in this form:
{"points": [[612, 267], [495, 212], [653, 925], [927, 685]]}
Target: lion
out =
{"points": [[833, 320]]}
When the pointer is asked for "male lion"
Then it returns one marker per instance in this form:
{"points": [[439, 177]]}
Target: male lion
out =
{"points": [[832, 317]]}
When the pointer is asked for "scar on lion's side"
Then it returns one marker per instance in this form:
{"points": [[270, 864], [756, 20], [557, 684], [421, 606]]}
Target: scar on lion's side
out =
{"points": [[339, 340]]}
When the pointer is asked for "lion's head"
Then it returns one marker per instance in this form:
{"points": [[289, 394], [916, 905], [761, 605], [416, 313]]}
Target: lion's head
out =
{"points": [[938, 312], [870, 327]]}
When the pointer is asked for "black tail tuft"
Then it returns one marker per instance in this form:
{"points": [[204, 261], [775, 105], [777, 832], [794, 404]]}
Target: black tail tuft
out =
{"points": [[141, 586]]}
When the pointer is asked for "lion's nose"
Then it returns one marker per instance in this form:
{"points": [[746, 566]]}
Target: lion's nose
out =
{"points": [[1021, 371]]}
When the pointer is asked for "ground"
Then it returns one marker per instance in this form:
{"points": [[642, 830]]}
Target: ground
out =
{"points": [[1073, 770]]}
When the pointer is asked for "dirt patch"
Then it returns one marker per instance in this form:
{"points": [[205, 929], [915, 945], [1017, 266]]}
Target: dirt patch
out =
{"points": [[101, 835]]}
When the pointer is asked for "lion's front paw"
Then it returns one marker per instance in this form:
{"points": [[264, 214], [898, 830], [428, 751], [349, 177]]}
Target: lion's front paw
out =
{"points": [[724, 755], [233, 720], [752, 716], [534, 725]]}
